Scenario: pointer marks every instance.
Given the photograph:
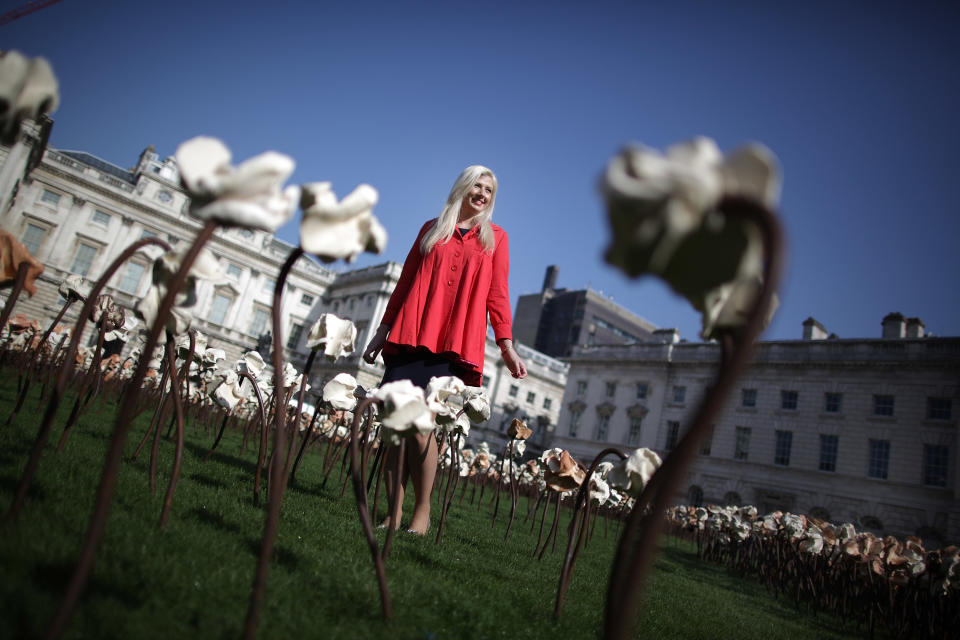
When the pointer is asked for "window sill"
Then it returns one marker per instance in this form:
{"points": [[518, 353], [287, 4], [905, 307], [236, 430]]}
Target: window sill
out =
{"points": [[828, 415], [882, 419], [742, 409]]}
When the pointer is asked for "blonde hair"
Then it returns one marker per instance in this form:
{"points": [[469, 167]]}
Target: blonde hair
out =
{"points": [[443, 228]]}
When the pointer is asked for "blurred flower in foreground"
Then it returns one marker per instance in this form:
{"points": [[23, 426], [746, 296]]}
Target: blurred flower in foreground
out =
{"points": [[74, 286], [247, 195], [634, 472], [339, 392], [28, 89], [331, 230], [205, 267], [663, 213], [12, 255], [562, 472], [405, 408], [335, 335]]}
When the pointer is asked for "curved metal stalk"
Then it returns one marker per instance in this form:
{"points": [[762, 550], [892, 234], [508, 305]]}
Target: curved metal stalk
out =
{"points": [[638, 542], [178, 452], [66, 370]]}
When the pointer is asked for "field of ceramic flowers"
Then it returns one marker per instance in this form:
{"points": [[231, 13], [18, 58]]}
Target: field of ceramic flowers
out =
{"points": [[173, 411]]}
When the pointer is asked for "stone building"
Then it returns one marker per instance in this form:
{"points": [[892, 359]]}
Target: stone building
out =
{"points": [[554, 320], [76, 213], [850, 430]]}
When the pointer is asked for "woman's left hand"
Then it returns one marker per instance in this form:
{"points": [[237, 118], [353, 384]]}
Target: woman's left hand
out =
{"points": [[513, 362]]}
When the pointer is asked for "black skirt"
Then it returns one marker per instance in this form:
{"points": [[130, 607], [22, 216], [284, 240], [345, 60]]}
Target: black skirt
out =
{"points": [[419, 365]]}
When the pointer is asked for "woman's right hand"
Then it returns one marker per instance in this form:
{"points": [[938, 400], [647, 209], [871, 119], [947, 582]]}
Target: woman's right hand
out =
{"points": [[377, 342]]}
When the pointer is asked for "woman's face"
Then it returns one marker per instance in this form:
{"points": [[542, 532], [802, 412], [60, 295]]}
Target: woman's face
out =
{"points": [[478, 198]]}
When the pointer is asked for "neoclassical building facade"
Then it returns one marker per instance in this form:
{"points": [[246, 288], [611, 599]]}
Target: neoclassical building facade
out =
{"points": [[76, 213], [850, 430]]}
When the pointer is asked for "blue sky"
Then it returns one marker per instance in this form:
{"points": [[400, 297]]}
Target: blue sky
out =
{"points": [[859, 100]]}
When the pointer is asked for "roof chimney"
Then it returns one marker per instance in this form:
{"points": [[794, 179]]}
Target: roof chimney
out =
{"points": [[915, 328], [813, 330], [894, 325], [550, 278]]}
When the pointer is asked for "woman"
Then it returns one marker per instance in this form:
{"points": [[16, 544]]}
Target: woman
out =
{"points": [[436, 321]]}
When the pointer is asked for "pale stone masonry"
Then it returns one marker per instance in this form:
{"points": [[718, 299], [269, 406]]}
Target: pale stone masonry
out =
{"points": [[858, 430]]}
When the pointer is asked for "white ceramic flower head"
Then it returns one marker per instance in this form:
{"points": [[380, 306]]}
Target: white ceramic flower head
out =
{"points": [[476, 404], [598, 488], [339, 392], [404, 407], [662, 209], [291, 377], [199, 345], [335, 335], [74, 286], [562, 472], [205, 267], [332, 230], [604, 468], [252, 363], [212, 357], [229, 393], [444, 396], [519, 448], [633, 473], [248, 195], [106, 310], [28, 89], [123, 332]]}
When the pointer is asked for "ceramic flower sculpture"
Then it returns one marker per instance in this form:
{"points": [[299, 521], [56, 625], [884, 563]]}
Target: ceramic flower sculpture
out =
{"points": [[12, 255], [634, 472], [206, 267], [562, 472], [333, 229], [339, 392], [405, 409], [28, 89], [665, 221], [334, 335], [74, 286], [248, 195]]}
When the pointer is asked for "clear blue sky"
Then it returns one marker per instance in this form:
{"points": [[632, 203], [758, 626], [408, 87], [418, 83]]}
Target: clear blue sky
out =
{"points": [[859, 100]]}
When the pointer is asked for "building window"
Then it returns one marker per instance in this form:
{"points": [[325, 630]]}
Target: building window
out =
{"points": [[935, 465], [531, 397], [938, 408], [350, 304], [547, 403], [707, 443], [296, 331], [486, 381], [833, 402], [219, 308], [879, 459], [781, 453], [788, 400], [514, 390], [369, 300], [602, 423], [84, 259], [130, 281], [101, 218], [828, 452], [268, 285], [642, 389], [146, 233], [581, 388], [883, 405], [50, 197], [673, 435], [748, 397], [574, 422], [306, 300], [336, 306], [679, 394], [234, 271], [741, 445], [611, 389], [258, 325], [633, 435], [32, 237]]}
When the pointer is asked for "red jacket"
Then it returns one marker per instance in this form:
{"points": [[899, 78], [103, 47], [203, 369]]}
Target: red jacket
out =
{"points": [[442, 299]]}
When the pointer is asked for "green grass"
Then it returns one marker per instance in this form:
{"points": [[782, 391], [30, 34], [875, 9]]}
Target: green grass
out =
{"points": [[193, 578]]}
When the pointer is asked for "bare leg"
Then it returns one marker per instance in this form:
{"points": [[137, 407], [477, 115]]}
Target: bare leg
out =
{"points": [[422, 462], [391, 462]]}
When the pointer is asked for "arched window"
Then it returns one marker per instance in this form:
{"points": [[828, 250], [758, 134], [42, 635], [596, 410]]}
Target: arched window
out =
{"points": [[694, 496]]}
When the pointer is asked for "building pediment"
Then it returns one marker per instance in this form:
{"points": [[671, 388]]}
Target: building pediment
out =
{"points": [[577, 406], [637, 411], [606, 409]]}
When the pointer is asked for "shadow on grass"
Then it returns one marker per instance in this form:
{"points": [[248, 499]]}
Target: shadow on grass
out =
{"points": [[281, 556], [54, 577], [215, 520]]}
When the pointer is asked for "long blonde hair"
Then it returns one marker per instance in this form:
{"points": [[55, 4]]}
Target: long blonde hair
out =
{"points": [[447, 221]]}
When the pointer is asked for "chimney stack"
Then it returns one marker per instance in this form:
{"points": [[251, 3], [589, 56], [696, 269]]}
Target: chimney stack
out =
{"points": [[915, 328], [550, 278], [813, 330], [894, 326]]}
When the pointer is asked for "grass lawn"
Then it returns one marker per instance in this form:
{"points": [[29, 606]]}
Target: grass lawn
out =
{"points": [[193, 578]]}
